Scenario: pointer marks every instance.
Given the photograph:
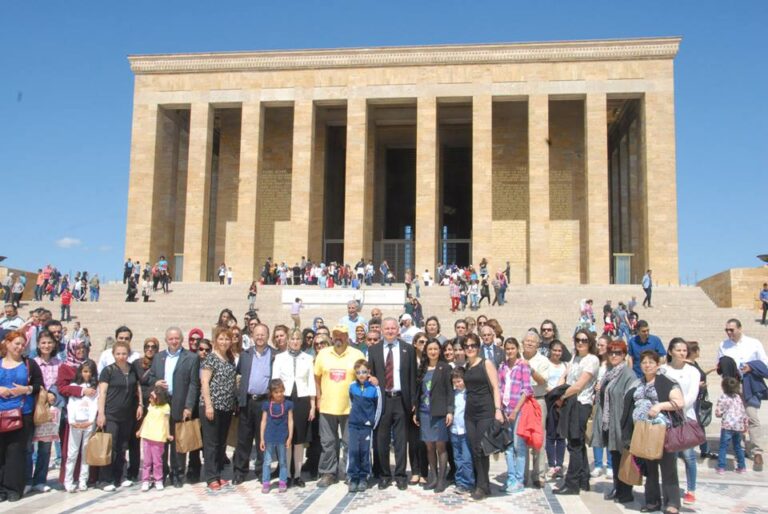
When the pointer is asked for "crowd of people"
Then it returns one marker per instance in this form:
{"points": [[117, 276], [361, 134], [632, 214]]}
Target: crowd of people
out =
{"points": [[331, 402]]}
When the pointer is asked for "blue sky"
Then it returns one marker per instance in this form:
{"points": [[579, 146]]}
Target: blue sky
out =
{"points": [[66, 100]]}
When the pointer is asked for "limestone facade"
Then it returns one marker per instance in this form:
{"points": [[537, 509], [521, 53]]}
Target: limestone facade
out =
{"points": [[567, 151]]}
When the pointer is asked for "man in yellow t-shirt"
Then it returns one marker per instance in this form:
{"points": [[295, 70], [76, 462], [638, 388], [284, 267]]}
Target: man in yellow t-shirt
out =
{"points": [[334, 371]]}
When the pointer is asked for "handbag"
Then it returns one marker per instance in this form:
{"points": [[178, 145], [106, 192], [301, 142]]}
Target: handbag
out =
{"points": [[684, 434], [12, 419], [42, 413], [705, 413], [48, 432], [648, 440], [188, 436], [629, 471], [98, 451]]}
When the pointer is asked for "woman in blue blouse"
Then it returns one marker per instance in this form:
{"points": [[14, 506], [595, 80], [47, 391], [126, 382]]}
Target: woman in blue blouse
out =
{"points": [[20, 381]]}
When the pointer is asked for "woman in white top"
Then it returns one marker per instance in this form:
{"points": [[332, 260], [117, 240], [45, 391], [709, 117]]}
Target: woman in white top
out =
{"points": [[295, 368], [688, 377], [555, 445], [581, 379], [598, 451]]}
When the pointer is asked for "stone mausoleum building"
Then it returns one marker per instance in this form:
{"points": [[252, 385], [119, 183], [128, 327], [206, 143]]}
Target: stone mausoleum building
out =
{"points": [[558, 157]]}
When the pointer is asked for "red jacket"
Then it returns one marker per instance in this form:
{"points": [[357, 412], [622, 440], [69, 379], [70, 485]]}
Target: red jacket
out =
{"points": [[530, 426], [66, 297]]}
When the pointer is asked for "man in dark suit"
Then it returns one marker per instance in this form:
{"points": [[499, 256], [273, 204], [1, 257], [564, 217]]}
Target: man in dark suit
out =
{"points": [[255, 370], [178, 371], [488, 349], [393, 364]]}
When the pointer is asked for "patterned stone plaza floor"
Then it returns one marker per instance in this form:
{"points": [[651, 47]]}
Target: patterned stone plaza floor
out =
{"points": [[729, 493]]}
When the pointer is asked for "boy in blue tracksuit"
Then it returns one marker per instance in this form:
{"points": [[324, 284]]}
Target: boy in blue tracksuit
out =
{"points": [[364, 415]]}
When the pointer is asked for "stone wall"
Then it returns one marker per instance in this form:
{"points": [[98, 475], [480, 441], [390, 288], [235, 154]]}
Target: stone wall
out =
{"points": [[29, 289], [274, 185], [736, 287]]}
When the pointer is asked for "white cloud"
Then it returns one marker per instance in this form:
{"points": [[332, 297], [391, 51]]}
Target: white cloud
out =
{"points": [[68, 242]]}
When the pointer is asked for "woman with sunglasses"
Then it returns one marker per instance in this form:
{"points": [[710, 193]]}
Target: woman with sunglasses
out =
{"points": [[609, 405], [581, 379], [417, 448], [315, 448], [483, 406]]}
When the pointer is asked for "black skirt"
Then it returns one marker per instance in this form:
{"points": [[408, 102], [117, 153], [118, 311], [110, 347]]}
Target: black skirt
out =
{"points": [[302, 430]]}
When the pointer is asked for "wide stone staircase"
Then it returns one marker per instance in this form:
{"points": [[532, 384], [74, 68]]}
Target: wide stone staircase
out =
{"points": [[677, 311]]}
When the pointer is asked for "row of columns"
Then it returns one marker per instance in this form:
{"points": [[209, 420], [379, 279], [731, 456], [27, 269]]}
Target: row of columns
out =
{"points": [[242, 239]]}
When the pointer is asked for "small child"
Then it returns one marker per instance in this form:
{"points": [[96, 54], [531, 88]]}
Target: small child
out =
{"points": [[276, 434], [730, 407], [364, 414], [66, 304], [154, 432], [81, 415], [465, 478]]}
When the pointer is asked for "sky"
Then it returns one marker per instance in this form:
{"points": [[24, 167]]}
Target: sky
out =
{"points": [[66, 94]]}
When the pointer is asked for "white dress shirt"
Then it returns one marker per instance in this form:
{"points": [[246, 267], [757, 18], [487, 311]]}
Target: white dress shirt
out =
{"points": [[395, 364]]}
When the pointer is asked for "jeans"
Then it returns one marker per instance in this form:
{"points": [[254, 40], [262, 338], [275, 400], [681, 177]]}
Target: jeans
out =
{"points": [[690, 468], [624, 332], [272, 450], [555, 450], [465, 475], [598, 453], [516, 458], [65, 313], [42, 462], [38, 293], [94, 294], [727, 436]]}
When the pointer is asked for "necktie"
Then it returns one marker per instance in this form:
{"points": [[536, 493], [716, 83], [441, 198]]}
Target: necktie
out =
{"points": [[488, 352], [389, 370]]}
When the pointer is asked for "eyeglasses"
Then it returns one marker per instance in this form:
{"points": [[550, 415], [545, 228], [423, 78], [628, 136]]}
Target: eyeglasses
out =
{"points": [[195, 338], [373, 339], [582, 340], [361, 372], [471, 346], [729, 330], [616, 354]]}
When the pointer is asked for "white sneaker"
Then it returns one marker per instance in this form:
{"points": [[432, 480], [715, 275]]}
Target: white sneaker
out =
{"points": [[596, 472], [27, 489], [82, 487], [109, 488], [609, 473], [144, 487], [42, 488], [126, 483], [159, 485], [71, 488]]}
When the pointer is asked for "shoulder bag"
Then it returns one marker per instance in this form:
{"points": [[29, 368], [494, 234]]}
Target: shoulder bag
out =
{"points": [[12, 419]]}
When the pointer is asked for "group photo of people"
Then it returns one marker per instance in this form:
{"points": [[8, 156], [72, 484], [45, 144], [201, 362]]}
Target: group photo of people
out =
{"points": [[375, 403]]}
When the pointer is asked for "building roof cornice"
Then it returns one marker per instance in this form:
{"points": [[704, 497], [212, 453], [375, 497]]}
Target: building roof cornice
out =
{"points": [[504, 53]]}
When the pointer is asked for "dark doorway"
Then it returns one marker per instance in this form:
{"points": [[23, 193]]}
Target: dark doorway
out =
{"points": [[456, 231], [334, 196], [400, 198]]}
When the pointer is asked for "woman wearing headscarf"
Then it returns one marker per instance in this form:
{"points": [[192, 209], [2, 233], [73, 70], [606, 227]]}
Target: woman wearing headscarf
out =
{"points": [[76, 354]]}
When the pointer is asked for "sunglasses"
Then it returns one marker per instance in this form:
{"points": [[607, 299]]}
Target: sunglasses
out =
{"points": [[546, 329], [729, 330], [360, 372], [421, 341], [150, 347], [203, 350], [195, 338], [471, 346], [582, 340]]}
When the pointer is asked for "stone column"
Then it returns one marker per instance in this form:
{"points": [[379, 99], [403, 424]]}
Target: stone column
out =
{"points": [[427, 186], [242, 240], [198, 193], [301, 176], [538, 190], [482, 177], [358, 209], [661, 186], [141, 183], [598, 216]]}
